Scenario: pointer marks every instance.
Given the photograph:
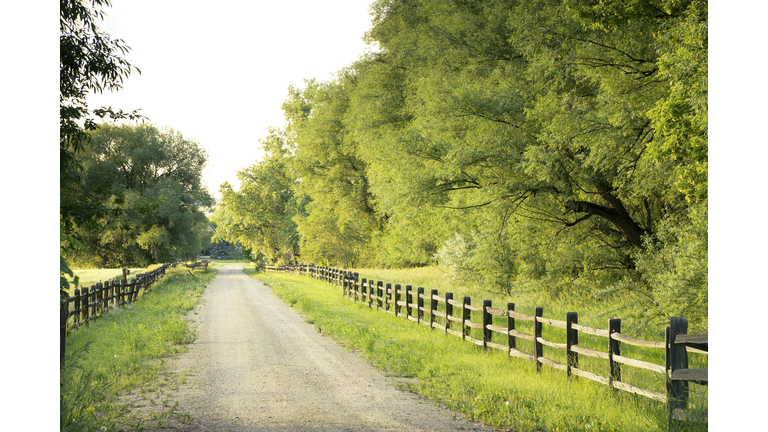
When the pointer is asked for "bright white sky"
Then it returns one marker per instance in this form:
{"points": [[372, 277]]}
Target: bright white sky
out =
{"points": [[218, 73]]}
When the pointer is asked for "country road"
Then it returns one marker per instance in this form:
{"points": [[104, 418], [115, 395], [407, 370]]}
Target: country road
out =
{"points": [[257, 366]]}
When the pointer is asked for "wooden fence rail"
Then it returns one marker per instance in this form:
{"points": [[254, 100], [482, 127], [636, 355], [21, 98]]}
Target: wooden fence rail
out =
{"points": [[458, 320], [90, 303]]}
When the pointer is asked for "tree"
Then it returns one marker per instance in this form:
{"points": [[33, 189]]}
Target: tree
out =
{"points": [[89, 61], [260, 214], [547, 126], [158, 175], [330, 173]]}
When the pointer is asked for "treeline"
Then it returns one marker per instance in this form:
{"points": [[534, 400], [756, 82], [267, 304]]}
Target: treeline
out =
{"points": [[559, 146]]}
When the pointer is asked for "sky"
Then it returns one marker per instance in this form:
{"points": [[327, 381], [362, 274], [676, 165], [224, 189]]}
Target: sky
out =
{"points": [[219, 74]]}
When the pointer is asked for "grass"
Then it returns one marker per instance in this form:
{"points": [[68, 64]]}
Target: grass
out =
{"points": [[124, 352], [485, 386], [88, 277]]}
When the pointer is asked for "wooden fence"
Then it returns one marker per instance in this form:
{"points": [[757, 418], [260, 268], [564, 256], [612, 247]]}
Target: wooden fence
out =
{"points": [[90, 303], [457, 318]]}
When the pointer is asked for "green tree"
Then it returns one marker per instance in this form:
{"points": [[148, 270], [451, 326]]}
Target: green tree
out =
{"points": [[158, 175], [547, 126], [331, 174], [89, 61], [259, 214]]}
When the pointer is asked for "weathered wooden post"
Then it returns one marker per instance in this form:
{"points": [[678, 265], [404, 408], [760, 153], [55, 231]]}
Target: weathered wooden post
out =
{"points": [[63, 316], [487, 321], [466, 315], [408, 300], [676, 358], [571, 339], [432, 307], [121, 293], [77, 317], [510, 326], [614, 349], [448, 311], [132, 290], [537, 346], [386, 295], [99, 297], [420, 304], [363, 289], [379, 293], [397, 299], [92, 302]]}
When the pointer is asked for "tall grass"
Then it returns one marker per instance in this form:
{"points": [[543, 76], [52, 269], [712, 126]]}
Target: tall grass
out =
{"points": [[125, 351], [486, 386]]}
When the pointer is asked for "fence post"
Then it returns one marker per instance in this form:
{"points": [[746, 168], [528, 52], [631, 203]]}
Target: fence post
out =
{"points": [[572, 338], [677, 358], [379, 293], [487, 320], [121, 292], [357, 285], [99, 297], [388, 288], [397, 299], [131, 289], [510, 326], [363, 289], [420, 303], [92, 302], [466, 314], [432, 307], [537, 346], [448, 311], [408, 300], [63, 316], [76, 317], [614, 349]]}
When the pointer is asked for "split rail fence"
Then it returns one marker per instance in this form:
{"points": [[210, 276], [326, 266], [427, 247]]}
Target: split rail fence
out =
{"points": [[90, 303], [458, 320]]}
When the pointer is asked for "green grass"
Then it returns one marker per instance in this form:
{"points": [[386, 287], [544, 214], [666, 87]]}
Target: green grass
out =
{"points": [[88, 277], [486, 386], [124, 351]]}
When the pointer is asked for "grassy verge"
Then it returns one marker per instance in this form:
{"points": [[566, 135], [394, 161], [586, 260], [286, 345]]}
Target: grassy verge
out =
{"points": [[485, 386], [124, 352]]}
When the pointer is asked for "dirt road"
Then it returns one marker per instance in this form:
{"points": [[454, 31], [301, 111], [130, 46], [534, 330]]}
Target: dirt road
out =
{"points": [[257, 366]]}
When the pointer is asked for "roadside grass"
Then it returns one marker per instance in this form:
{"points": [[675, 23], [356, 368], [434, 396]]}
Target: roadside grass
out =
{"points": [[124, 352], [592, 312], [487, 386]]}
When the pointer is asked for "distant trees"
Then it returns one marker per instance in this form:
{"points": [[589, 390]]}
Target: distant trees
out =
{"points": [[260, 214]]}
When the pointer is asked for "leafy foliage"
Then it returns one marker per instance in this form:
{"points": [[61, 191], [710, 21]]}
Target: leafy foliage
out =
{"points": [[158, 175], [556, 145], [260, 215]]}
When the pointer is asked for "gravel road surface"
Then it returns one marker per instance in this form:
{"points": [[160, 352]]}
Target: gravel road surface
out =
{"points": [[257, 366]]}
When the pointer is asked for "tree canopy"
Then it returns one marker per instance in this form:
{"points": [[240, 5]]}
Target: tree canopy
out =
{"points": [[158, 176], [559, 145]]}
